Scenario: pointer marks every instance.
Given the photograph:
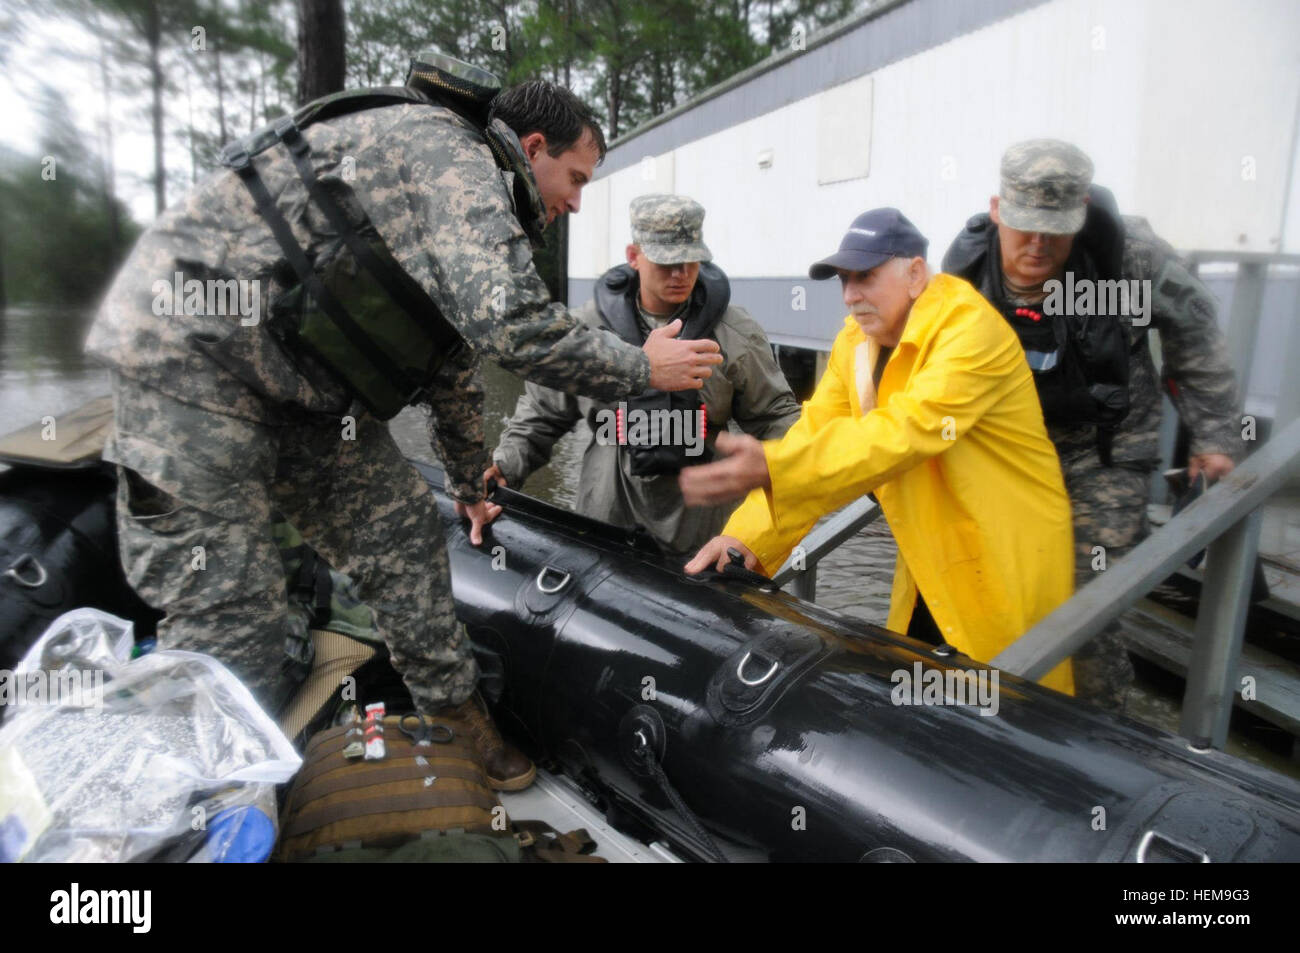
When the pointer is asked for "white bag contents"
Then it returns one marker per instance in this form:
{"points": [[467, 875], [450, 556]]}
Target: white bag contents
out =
{"points": [[105, 758]]}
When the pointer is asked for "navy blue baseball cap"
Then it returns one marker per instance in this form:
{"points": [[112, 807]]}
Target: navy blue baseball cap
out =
{"points": [[873, 239]]}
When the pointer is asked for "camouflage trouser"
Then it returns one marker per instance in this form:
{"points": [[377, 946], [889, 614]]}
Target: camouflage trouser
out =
{"points": [[195, 499], [1110, 506]]}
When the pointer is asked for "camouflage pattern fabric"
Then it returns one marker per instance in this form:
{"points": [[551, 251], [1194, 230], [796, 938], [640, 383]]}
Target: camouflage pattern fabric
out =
{"points": [[1194, 357], [669, 229], [1109, 507], [219, 421], [1110, 503], [197, 496], [428, 183], [1044, 182], [344, 612]]}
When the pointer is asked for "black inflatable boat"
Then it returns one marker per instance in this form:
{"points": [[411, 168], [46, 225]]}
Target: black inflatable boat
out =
{"points": [[732, 720]]}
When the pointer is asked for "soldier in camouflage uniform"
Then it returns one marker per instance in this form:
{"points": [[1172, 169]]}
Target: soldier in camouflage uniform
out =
{"points": [[220, 419], [1049, 220], [666, 278]]}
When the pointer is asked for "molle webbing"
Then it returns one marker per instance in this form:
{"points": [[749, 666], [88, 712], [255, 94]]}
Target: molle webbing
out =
{"points": [[338, 802]]}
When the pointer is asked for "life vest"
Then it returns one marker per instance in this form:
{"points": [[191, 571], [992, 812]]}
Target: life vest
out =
{"points": [[616, 297], [354, 309], [1080, 363]]}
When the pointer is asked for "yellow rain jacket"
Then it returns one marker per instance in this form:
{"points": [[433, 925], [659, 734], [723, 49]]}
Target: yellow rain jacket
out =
{"points": [[958, 456]]}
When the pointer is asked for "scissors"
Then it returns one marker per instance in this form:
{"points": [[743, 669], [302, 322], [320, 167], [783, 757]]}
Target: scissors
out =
{"points": [[421, 731]]}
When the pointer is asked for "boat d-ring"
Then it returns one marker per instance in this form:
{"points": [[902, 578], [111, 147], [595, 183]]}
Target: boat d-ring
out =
{"points": [[15, 570], [740, 671], [1152, 834], [549, 590]]}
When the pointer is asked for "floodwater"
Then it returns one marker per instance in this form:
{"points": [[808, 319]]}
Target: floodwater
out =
{"points": [[43, 372]]}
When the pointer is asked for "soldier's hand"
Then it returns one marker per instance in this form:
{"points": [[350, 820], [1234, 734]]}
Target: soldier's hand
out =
{"points": [[679, 365], [479, 514], [714, 553], [1214, 465], [744, 469], [493, 473]]}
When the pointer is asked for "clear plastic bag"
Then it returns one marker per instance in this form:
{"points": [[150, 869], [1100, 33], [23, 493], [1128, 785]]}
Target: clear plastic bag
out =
{"points": [[166, 756]]}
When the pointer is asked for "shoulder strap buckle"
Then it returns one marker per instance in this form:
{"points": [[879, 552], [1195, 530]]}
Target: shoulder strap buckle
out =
{"points": [[235, 155], [287, 131]]}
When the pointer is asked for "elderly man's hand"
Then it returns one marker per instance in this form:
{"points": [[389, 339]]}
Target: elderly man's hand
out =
{"points": [[714, 553], [1214, 465], [676, 364], [744, 468], [479, 514]]}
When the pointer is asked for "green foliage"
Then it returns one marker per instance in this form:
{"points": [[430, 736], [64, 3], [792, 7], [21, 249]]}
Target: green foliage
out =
{"points": [[631, 60], [57, 245]]}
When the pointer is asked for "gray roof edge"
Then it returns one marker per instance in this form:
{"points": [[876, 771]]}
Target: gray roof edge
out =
{"points": [[823, 36]]}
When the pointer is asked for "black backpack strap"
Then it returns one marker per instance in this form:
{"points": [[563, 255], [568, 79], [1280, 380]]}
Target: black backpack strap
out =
{"points": [[1105, 440], [235, 156]]}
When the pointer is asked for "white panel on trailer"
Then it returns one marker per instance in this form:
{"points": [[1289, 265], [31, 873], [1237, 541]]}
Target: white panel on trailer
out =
{"points": [[844, 132]]}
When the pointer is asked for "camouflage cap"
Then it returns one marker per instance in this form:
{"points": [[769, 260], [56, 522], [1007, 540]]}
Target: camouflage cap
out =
{"points": [[435, 72], [1044, 185], [669, 229]]}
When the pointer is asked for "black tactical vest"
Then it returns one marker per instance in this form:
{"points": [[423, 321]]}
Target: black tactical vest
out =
{"points": [[1080, 362], [616, 303], [354, 309]]}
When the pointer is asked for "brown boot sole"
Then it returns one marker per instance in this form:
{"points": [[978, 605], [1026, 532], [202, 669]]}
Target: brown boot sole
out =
{"points": [[513, 784]]}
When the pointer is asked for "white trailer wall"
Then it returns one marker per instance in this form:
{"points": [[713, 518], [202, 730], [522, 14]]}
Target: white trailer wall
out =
{"points": [[1187, 107]]}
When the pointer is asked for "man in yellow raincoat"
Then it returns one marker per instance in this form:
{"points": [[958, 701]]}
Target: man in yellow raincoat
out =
{"points": [[927, 401]]}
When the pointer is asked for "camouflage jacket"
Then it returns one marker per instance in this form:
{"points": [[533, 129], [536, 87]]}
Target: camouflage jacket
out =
{"points": [[1194, 356], [748, 388], [428, 183]]}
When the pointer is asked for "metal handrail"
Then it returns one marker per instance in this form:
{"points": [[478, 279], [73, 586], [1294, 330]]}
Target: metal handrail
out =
{"points": [[1227, 518], [801, 567]]}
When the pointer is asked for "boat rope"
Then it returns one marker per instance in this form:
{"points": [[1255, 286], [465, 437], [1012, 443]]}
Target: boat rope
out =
{"points": [[646, 754]]}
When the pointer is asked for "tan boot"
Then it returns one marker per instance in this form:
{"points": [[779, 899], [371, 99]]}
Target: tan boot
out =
{"points": [[507, 768]]}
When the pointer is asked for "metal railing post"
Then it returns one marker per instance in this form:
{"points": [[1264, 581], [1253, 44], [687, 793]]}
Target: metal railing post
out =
{"points": [[800, 570], [804, 583], [1220, 626], [1058, 635], [1288, 394], [1243, 321]]}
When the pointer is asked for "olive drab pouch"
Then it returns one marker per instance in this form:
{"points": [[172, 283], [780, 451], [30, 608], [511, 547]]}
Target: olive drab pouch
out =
{"points": [[426, 800]]}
